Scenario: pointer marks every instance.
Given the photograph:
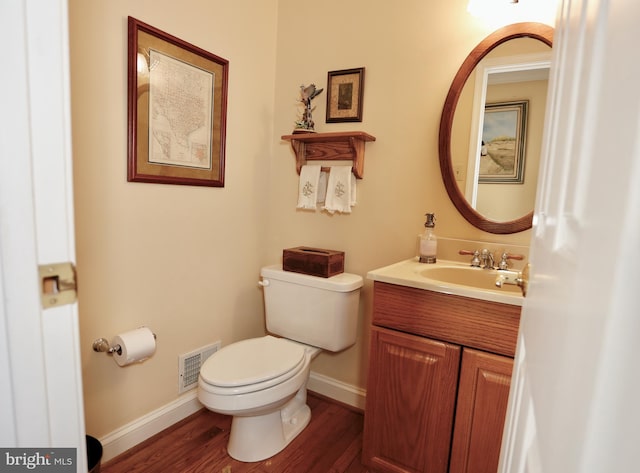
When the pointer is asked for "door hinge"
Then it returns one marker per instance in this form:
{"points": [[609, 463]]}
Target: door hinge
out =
{"points": [[57, 284]]}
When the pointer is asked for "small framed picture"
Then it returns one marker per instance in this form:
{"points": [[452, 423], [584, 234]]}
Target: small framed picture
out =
{"points": [[503, 143], [345, 90]]}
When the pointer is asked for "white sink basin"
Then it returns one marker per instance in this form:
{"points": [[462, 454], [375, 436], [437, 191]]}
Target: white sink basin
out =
{"points": [[467, 276], [449, 277]]}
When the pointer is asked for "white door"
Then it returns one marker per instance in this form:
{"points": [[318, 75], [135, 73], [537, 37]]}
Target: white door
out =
{"points": [[41, 390], [575, 390]]}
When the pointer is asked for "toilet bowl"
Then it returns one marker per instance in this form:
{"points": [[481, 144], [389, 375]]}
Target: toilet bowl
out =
{"points": [[262, 382]]}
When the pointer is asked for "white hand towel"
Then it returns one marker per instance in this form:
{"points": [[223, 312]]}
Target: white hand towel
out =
{"points": [[322, 187], [308, 187], [340, 190], [353, 189]]}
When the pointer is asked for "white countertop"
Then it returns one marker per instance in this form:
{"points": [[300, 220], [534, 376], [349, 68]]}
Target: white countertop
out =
{"points": [[407, 273]]}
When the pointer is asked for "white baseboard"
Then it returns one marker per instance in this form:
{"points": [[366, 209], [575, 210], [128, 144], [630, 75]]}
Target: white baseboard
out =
{"points": [[334, 389], [139, 430]]}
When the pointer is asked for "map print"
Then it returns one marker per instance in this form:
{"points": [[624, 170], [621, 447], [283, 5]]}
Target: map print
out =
{"points": [[180, 113]]}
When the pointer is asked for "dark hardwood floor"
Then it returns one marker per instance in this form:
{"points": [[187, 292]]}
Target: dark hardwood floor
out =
{"points": [[331, 443]]}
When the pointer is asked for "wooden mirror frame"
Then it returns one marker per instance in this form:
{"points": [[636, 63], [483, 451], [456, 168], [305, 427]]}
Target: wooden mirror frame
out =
{"points": [[538, 31]]}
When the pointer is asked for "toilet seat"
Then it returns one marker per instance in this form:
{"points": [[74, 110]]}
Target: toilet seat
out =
{"points": [[252, 365]]}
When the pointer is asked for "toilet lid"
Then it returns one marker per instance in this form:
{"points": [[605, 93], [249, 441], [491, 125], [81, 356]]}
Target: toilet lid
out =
{"points": [[252, 361]]}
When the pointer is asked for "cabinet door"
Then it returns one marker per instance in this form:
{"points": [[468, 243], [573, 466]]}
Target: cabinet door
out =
{"points": [[410, 403], [481, 410]]}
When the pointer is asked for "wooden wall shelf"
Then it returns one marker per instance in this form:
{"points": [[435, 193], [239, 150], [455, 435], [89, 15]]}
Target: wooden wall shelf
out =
{"points": [[338, 146]]}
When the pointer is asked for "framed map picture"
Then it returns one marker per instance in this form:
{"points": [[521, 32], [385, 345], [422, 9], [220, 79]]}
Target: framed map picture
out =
{"points": [[177, 109]]}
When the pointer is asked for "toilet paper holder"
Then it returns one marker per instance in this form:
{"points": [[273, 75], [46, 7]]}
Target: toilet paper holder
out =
{"points": [[101, 345]]}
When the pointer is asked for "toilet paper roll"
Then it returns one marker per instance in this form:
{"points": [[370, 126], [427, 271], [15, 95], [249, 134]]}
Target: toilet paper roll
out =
{"points": [[135, 346]]}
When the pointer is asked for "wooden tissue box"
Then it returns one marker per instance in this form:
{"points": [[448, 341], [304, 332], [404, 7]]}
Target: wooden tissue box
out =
{"points": [[313, 261]]}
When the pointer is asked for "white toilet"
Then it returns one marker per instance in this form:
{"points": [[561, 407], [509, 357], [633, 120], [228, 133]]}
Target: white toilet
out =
{"points": [[262, 382]]}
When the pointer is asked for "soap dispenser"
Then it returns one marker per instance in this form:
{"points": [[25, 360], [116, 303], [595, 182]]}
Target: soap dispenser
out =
{"points": [[428, 240]]}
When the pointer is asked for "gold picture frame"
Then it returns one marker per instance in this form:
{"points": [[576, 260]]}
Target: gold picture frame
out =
{"points": [[177, 108], [345, 90], [502, 156]]}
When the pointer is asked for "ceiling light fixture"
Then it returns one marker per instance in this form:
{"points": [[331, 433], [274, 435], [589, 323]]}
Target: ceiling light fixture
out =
{"points": [[497, 13]]}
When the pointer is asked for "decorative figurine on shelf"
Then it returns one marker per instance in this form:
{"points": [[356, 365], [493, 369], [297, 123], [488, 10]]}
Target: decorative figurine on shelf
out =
{"points": [[307, 93]]}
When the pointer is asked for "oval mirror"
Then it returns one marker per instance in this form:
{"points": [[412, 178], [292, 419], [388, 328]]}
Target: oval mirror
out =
{"points": [[491, 128]]}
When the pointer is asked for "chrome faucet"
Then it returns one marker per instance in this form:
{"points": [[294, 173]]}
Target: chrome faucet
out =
{"points": [[484, 259], [481, 259], [504, 261], [487, 259], [475, 261]]}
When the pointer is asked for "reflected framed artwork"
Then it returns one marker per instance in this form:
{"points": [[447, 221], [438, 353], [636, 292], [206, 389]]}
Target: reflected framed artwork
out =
{"points": [[177, 107], [345, 90], [504, 132]]}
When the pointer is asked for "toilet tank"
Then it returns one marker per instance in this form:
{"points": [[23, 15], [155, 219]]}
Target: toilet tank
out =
{"points": [[322, 312]]}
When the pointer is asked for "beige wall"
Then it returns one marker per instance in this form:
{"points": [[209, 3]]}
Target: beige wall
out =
{"points": [[182, 260], [411, 50], [513, 200], [185, 260]]}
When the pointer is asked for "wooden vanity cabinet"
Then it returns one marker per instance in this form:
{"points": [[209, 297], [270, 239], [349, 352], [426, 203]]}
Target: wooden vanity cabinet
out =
{"points": [[483, 392], [413, 386], [439, 372]]}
